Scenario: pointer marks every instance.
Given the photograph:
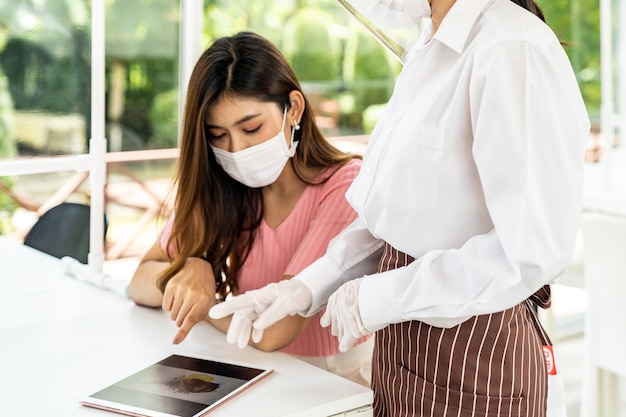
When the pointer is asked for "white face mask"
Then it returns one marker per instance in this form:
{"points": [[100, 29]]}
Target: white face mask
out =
{"points": [[392, 14], [258, 165]]}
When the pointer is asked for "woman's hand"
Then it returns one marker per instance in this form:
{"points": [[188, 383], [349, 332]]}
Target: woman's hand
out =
{"points": [[189, 295]]}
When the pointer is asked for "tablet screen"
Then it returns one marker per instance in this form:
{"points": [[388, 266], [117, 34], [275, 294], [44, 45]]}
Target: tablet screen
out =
{"points": [[178, 385]]}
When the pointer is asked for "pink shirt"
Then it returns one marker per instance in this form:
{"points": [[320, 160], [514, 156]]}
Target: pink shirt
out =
{"points": [[319, 215]]}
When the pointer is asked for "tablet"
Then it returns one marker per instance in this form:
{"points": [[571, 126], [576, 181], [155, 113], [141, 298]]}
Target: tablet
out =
{"points": [[177, 386]]}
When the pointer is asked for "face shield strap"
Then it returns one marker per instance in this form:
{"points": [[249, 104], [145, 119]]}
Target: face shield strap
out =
{"points": [[397, 50]]}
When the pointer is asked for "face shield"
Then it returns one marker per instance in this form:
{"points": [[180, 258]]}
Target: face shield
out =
{"points": [[395, 24]]}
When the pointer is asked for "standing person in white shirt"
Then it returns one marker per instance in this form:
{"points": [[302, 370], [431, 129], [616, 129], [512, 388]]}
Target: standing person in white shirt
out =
{"points": [[471, 186]]}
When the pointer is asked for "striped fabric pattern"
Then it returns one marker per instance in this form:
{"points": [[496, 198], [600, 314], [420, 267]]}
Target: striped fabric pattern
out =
{"points": [[321, 212], [319, 215], [490, 365]]}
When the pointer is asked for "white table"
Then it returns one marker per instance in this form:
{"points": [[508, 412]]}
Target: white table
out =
{"points": [[62, 339]]}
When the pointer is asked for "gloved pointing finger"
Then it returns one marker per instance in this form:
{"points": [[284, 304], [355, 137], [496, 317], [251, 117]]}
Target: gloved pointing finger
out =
{"points": [[239, 303], [256, 310], [239, 330], [290, 297]]}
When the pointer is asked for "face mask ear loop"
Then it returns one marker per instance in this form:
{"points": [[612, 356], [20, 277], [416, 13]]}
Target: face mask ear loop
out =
{"points": [[292, 150], [293, 135]]}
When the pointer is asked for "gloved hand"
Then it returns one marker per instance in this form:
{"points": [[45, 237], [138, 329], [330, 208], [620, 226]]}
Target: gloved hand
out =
{"points": [[257, 310], [343, 315]]}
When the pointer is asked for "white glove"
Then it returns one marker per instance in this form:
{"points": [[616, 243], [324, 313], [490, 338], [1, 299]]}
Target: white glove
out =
{"points": [[257, 310], [342, 313]]}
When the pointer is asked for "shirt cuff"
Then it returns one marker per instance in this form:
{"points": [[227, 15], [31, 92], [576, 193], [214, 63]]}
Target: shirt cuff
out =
{"points": [[322, 278], [378, 303], [383, 301]]}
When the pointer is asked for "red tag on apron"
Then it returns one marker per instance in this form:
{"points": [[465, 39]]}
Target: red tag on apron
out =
{"points": [[548, 353], [556, 388]]}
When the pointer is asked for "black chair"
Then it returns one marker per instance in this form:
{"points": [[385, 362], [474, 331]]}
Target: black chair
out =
{"points": [[63, 231]]}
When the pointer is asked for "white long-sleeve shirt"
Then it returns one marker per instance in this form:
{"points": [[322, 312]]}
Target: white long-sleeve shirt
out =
{"points": [[474, 169]]}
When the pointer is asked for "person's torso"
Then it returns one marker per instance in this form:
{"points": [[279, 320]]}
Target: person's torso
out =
{"points": [[288, 248], [272, 253], [419, 188]]}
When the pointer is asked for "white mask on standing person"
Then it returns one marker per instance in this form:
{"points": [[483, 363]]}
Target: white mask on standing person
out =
{"points": [[393, 14], [258, 165]]}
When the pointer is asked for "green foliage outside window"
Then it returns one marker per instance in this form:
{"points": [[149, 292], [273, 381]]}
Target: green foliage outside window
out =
{"points": [[370, 73], [307, 44], [7, 149], [46, 67], [164, 119], [48, 70], [577, 24]]}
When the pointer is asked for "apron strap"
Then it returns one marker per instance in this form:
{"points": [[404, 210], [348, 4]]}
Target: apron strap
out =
{"points": [[542, 298]]}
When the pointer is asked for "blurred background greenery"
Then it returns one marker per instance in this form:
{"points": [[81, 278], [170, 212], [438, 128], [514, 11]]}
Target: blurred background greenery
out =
{"points": [[44, 55], [348, 77]]}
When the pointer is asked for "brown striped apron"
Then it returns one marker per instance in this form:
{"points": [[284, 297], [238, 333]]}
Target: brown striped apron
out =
{"points": [[489, 365]]}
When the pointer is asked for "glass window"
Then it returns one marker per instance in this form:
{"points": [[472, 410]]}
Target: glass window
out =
{"points": [[45, 65], [345, 73], [142, 74], [45, 97], [44, 77]]}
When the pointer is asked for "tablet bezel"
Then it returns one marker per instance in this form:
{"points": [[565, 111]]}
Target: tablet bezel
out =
{"points": [[218, 368]]}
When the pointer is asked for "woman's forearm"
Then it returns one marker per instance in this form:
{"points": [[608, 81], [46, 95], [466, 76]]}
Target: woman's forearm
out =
{"points": [[143, 288]]}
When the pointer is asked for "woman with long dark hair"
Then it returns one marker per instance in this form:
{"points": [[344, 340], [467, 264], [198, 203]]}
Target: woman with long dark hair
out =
{"points": [[472, 188], [259, 195]]}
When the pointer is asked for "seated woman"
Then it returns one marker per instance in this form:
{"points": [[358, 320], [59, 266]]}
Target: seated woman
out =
{"points": [[260, 193]]}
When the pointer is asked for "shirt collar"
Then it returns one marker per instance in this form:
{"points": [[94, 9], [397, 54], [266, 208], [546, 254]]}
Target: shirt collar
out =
{"points": [[458, 22]]}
